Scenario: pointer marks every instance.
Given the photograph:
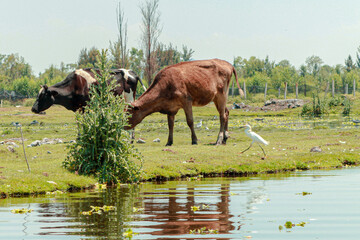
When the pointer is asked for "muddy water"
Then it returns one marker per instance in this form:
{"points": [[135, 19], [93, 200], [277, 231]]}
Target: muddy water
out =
{"points": [[325, 203]]}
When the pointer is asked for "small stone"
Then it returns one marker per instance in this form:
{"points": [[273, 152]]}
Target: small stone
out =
{"points": [[72, 141], [48, 152], [315, 149], [34, 122], [35, 143], [12, 144], [45, 174], [11, 149], [156, 140], [140, 140]]}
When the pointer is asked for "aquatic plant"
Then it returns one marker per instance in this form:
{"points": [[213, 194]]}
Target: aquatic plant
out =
{"points": [[204, 230], [129, 234], [21, 211], [135, 209], [98, 210], [103, 148]]}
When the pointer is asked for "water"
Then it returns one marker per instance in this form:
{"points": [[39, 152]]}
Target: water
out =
{"points": [[239, 208]]}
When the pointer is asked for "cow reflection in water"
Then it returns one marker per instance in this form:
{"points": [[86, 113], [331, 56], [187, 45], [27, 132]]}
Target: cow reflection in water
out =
{"points": [[176, 216]]}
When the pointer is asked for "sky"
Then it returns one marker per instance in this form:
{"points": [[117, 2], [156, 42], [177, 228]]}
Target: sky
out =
{"points": [[47, 32]]}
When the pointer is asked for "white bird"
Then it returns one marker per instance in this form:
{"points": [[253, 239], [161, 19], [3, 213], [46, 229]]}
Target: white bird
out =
{"points": [[199, 125], [255, 138]]}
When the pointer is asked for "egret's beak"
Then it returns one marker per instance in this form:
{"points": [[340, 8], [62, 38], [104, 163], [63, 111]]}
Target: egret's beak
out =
{"points": [[242, 127]]}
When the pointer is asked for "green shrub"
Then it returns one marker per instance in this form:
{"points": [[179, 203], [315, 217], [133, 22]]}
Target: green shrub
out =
{"points": [[316, 109], [335, 101], [103, 148], [347, 107]]}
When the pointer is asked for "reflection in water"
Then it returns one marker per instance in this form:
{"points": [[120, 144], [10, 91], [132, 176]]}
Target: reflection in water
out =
{"points": [[172, 209], [237, 208]]}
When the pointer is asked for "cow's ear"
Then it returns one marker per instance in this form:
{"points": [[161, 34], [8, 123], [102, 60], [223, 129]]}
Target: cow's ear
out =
{"points": [[54, 93], [45, 87], [136, 108]]}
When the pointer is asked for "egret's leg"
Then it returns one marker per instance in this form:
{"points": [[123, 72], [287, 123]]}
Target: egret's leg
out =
{"points": [[247, 148], [262, 149]]}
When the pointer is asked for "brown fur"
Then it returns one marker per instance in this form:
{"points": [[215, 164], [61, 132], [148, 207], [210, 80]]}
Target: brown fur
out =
{"points": [[184, 85]]}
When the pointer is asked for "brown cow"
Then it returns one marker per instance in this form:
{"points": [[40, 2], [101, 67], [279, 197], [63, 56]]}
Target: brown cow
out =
{"points": [[184, 85]]}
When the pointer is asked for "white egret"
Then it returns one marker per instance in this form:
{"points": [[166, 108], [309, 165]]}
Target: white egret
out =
{"points": [[199, 125], [255, 138]]}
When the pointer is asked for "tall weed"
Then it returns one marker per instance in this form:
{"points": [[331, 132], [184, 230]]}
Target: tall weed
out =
{"points": [[103, 148]]}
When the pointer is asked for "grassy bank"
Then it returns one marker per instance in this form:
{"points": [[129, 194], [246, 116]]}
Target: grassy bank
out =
{"points": [[290, 137]]}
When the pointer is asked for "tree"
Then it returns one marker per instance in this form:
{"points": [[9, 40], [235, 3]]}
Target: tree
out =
{"points": [[302, 71], [358, 57], [88, 58], [150, 33], [136, 60], [349, 65], [313, 65], [252, 66], [186, 54], [239, 65], [119, 51], [12, 67], [268, 66], [166, 55]]}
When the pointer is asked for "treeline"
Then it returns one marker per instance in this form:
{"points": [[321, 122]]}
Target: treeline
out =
{"points": [[17, 75], [312, 76]]}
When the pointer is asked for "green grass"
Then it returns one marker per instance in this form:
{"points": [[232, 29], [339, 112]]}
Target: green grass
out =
{"points": [[289, 149]]}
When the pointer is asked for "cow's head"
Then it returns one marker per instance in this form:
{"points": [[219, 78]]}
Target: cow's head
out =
{"points": [[126, 83], [44, 100], [135, 116]]}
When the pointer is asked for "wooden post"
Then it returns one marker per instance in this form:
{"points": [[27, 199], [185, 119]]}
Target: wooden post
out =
{"points": [[354, 87], [1, 103], [347, 89], [333, 88], [265, 91], [285, 91], [297, 90], [22, 140], [305, 89], [279, 92], [244, 90]]}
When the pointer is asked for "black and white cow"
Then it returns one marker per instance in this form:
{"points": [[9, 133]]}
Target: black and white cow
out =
{"points": [[73, 91]]}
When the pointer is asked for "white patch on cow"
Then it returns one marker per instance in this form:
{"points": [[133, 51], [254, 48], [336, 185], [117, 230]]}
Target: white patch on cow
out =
{"points": [[129, 97], [89, 79], [126, 73]]}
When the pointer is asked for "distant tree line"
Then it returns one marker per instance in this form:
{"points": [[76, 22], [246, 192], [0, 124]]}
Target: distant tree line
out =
{"points": [[17, 75], [312, 76]]}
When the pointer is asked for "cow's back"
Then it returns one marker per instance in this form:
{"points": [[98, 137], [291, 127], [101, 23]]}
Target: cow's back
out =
{"points": [[199, 80]]}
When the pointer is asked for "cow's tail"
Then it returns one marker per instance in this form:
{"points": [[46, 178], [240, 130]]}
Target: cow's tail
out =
{"points": [[241, 92], [142, 84]]}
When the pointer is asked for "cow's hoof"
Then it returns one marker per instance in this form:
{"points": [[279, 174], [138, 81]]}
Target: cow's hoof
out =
{"points": [[194, 143], [168, 144]]}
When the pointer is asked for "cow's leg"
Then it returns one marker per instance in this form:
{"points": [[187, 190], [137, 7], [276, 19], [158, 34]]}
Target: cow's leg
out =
{"points": [[190, 121], [226, 132], [220, 103], [171, 119], [132, 135]]}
